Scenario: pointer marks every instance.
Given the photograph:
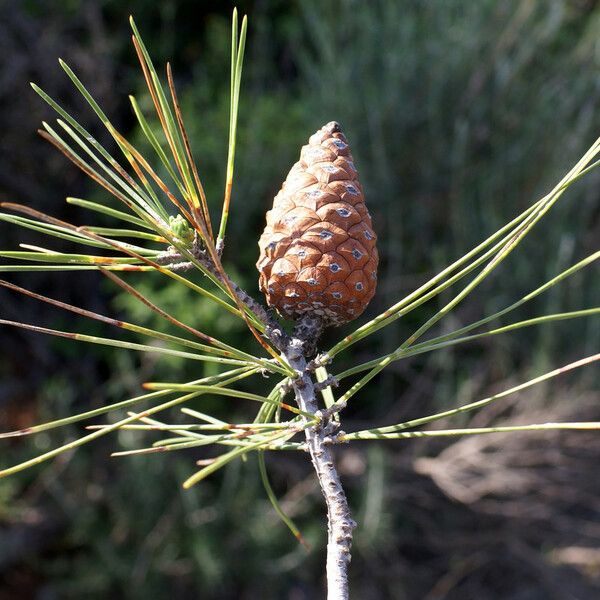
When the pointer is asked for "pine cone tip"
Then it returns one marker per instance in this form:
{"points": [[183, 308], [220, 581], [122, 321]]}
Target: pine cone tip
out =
{"points": [[332, 127]]}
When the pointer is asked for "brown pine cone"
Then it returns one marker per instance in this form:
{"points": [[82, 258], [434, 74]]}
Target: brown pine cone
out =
{"points": [[317, 252]]}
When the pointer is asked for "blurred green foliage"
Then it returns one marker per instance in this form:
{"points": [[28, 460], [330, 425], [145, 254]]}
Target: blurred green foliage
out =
{"points": [[459, 114]]}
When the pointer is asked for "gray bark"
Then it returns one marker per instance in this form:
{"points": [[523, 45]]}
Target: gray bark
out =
{"points": [[340, 523]]}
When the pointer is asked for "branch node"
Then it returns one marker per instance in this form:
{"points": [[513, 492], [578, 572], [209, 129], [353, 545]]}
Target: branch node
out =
{"points": [[330, 381], [299, 382], [319, 361], [327, 413], [287, 386], [337, 438], [168, 256]]}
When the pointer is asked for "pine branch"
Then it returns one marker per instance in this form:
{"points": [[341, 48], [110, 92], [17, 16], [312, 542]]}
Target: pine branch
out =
{"points": [[318, 441], [274, 332]]}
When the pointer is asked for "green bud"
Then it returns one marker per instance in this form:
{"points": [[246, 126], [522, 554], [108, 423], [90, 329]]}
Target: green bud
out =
{"points": [[181, 228]]}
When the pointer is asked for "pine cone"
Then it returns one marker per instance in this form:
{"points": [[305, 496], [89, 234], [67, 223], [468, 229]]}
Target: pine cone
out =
{"points": [[317, 252]]}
